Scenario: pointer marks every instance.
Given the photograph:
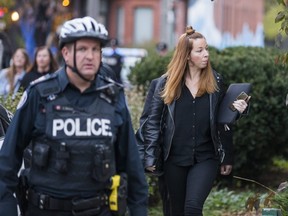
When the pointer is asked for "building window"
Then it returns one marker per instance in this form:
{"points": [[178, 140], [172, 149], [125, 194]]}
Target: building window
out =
{"points": [[120, 25], [143, 25]]}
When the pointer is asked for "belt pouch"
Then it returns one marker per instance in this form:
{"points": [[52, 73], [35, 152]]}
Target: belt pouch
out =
{"points": [[84, 204], [62, 157], [40, 154], [103, 169]]}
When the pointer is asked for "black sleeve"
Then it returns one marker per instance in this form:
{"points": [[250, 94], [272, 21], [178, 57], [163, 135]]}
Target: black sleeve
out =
{"points": [[225, 133], [152, 132], [18, 136], [140, 133], [128, 161], [148, 100]]}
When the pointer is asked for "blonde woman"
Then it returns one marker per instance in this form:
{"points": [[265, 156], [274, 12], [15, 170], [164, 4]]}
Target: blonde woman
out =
{"points": [[188, 97], [10, 78]]}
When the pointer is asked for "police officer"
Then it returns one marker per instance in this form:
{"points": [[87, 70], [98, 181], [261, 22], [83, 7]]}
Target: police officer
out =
{"points": [[115, 60], [162, 48], [83, 144]]}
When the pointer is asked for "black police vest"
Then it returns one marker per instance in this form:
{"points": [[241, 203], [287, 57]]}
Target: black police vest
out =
{"points": [[77, 151]]}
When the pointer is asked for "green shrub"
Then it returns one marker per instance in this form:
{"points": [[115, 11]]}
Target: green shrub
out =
{"points": [[149, 68], [281, 201], [262, 135], [10, 103], [224, 200]]}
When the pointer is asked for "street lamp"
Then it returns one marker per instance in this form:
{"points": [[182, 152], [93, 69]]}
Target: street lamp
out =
{"points": [[65, 3], [14, 16]]}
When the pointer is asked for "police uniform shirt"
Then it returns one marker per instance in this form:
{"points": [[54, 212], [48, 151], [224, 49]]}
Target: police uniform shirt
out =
{"points": [[25, 126]]}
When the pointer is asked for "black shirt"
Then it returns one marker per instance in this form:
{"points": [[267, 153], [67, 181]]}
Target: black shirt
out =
{"points": [[31, 76], [192, 140]]}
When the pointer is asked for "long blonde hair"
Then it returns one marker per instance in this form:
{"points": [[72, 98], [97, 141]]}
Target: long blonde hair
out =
{"points": [[12, 69], [178, 67]]}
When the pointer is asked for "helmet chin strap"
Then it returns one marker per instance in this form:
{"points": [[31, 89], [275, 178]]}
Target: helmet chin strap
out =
{"points": [[74, 69]]}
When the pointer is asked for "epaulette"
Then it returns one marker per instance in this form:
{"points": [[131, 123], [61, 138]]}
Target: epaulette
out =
{"points": [[110, 90], [47, 85], [43, 79], [110, 80]]}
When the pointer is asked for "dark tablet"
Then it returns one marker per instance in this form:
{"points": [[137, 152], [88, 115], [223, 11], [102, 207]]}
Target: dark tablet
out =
{"points": [[227, 114]]}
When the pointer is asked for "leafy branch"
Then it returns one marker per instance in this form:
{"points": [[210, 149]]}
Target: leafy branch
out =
{"points": [[253, 181], [278, 199], [282, 17]]}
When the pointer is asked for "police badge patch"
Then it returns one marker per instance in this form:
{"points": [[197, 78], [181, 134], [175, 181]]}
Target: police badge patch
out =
{"points": [[22, 100], [1, 141]]}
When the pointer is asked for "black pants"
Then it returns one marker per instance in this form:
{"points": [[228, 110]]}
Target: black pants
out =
{"points": [[35, 211], [164, 196], [188, 187]]}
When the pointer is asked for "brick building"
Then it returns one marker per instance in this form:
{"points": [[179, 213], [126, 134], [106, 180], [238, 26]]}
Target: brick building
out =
{"points": [[226, 22], [136, 22]]}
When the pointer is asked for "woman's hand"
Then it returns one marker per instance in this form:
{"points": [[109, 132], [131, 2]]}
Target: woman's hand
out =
{"points": [[241, 105], [226, 169], [151, 168]]}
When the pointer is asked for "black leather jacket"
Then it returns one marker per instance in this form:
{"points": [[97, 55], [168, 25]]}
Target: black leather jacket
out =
{"points": [[161, 119]]}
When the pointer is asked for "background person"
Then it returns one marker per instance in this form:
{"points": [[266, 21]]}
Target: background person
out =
{"points": [[115, 60], [162, 48], [44, 63], [43, 21], [190, 94], [6, 50], [11, 78], [81, 134]]}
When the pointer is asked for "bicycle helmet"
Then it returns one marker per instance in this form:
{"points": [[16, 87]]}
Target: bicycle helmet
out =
{"points": [[85, 27]]}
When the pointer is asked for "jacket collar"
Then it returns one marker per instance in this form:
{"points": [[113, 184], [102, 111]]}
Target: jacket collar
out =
{"points": [[64, 80]]}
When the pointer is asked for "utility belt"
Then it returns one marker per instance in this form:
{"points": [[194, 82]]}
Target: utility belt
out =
{"points": [[115, 198], [113, 194], [78, 207]]}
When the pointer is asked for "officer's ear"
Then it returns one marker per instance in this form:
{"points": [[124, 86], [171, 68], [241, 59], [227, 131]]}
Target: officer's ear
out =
{"points": [[65, 53]]}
